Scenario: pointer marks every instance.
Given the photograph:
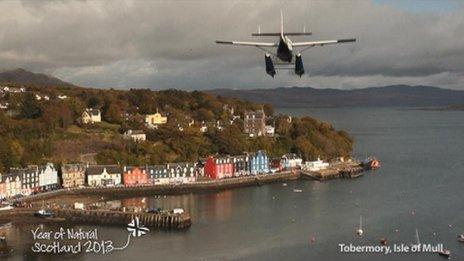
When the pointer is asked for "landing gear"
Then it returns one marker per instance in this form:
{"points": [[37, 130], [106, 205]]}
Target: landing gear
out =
{"points": [[299, 68], [269, 65]]}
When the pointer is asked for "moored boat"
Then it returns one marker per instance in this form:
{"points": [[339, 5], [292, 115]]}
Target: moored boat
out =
{"points": [[43, 213], [445, 253], [370, 163], [461, 238]]}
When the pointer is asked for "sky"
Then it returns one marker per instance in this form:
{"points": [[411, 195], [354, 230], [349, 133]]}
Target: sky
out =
{"points": [[170, 44]]}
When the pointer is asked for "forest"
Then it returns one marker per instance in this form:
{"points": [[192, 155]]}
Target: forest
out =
{"points": [[36, 131]]}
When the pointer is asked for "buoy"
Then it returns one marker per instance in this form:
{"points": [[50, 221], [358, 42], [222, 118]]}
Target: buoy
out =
{"points": [[359, 232]]}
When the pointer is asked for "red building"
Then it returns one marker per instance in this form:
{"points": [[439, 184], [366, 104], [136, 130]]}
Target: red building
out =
{"points": [[134, 176], [218, 168]]}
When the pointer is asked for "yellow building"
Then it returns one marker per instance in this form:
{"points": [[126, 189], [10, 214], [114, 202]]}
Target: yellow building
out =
{"points": [[155, 119]]}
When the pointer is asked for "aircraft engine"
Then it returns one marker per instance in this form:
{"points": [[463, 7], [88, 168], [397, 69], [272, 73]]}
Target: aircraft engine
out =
{"points": [[299, 68], [269, 65]]}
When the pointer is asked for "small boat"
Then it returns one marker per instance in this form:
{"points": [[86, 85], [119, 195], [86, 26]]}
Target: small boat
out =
{"points": [[445, 253], [43, 213], [297, 190], [284, 184], [360, 231], [370, 163], [383, 241], [461, 238]]}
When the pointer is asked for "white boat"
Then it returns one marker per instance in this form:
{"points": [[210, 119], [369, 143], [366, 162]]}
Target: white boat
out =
{"points": [[360, 231], [445, 253], [461, 238], [43, 213], [284, 184], [297, 190]]}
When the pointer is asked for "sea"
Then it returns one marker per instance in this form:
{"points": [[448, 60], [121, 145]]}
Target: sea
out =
{"points": [[418, 187]]}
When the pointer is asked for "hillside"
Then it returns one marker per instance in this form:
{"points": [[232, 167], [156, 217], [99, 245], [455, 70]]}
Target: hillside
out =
{"points": [[22, 77], [42, 124], [388, 96]]}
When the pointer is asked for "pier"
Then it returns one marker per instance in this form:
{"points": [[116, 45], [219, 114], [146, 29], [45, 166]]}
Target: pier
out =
{"points": [[338, 170], [108, 217]]}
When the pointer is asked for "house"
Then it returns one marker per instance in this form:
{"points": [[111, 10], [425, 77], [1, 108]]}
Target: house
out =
{"points": [[258, 163], [184, 172], [90, 116], [241, 166], [275, 165], [2, 188], [218, 168], [269, 130], [48, 177], [12, 184], [153, 120], [315, 165], [134, 176], [135, 135], [255, 123], [4, 105], [291, 161], [158, 174], [103, 175], [73, 175]]}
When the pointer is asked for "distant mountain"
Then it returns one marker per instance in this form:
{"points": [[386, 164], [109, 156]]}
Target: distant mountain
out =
{"points": [[387, 96], [22, 77]]}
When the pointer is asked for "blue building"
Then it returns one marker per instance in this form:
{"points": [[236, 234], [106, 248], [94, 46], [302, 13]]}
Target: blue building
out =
{"points": [[258, 163]]}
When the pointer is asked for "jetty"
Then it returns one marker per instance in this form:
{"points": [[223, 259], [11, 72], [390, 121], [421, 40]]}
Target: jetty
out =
{"points": [[347, 170], [109, 217]]}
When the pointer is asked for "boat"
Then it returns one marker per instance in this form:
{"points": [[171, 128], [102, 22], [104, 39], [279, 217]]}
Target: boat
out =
{"points": [[370, 163], [461, 238], [43, 213], [445, 253], [360, 231], [5, 250], [284, 184], [297, 190], [383, 241]]}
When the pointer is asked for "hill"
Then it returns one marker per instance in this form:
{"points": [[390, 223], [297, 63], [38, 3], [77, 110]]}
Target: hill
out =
{"points": [[388, 96], [41, 124], [22, 77]]}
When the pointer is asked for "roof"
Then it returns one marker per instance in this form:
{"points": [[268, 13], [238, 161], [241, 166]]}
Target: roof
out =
{"points": [[93, 112], [98, 169], [72, 167]]}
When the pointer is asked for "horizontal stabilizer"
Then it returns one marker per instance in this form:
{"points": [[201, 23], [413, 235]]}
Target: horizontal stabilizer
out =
{"points": [[278, 34], [257, 44]]}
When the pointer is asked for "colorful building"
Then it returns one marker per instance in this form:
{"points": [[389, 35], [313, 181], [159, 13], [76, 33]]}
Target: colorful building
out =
{"points": [[258, 163], [134, 176], [73, 175], [103, 175], [241, 166], [12, 185], [218, 168], [184, 172]]}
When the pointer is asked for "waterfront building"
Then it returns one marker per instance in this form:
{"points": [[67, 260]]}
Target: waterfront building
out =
{"points": [[254, 123], [103, 175], [73, 175], [158, 174], [12, 185], [275, 165], [241, 166], [90, 116], [134, 176], [291, 161], [29, 179], [218, 168], [258, 163], [48, 177], [315, 165], [181, 172], [135, 135], [2, 188]]}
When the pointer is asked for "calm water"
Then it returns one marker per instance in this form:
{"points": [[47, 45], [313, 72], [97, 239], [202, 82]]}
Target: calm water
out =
{"points": [[420, 185]]}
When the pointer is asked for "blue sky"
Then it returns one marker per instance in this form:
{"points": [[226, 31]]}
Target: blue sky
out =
{"points": [[422, 5]]}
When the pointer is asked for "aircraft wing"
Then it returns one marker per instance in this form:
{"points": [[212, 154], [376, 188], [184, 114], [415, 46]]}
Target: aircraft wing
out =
{"points": [[322, 43], [256, 44]]}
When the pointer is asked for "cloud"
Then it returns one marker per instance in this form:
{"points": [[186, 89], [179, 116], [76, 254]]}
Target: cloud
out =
{"points": [[170, 44]]}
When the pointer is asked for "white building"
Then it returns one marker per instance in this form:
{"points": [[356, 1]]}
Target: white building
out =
{"points": [[135, 135], [107, 175], [315, 165], [48, 177], [270, 130]]}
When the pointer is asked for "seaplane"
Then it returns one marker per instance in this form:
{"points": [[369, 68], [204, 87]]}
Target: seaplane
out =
{"points": [[283, 55]]}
